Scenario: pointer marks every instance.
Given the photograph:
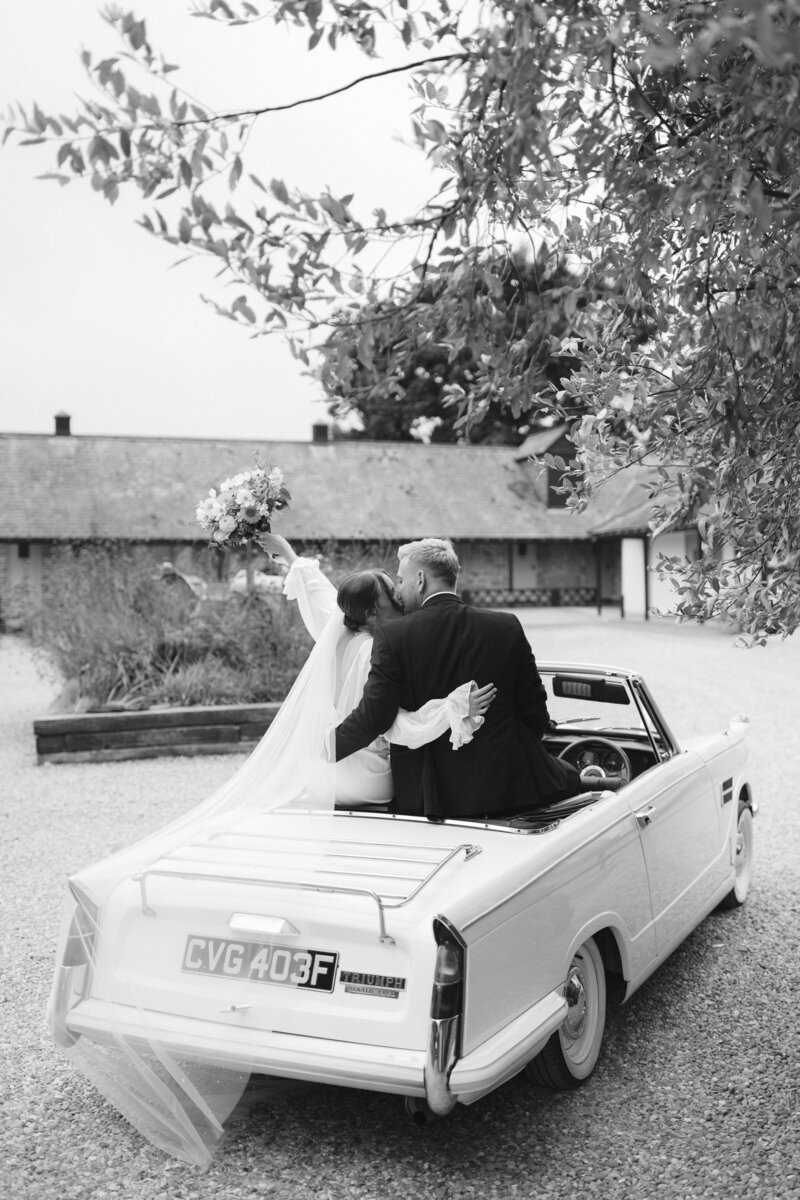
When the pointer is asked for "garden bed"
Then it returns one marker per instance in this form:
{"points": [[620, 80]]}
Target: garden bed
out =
{"points": [[152, 733]]}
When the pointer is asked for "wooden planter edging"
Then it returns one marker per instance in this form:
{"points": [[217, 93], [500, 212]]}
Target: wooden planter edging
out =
{"points": [[108, 737]]}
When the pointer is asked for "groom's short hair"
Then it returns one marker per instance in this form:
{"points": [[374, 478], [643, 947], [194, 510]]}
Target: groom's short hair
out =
{"points": [[436, 555]]}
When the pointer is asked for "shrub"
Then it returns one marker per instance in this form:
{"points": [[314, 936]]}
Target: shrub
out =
{"points": [[211, 682], [108, 620]]}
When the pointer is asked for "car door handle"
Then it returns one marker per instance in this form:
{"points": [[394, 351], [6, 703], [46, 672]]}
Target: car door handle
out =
{"points": [[645, 816]]}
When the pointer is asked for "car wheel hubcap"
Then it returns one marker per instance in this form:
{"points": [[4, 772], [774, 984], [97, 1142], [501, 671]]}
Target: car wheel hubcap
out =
{"points": [[575, 995]]}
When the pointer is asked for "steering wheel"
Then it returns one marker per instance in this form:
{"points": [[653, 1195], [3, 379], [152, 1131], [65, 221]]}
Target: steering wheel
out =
{"points": [[593, 774]]}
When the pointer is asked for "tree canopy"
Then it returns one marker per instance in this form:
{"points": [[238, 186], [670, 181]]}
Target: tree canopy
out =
{"points": [[653, 145], [402, 380]]}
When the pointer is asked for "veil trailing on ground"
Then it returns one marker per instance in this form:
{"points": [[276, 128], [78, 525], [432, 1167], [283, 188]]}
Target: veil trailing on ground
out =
{"points": [[177, 1104]]}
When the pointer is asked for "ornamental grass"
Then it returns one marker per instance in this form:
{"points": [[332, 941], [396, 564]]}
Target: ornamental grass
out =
{"points": [[122, 636]]}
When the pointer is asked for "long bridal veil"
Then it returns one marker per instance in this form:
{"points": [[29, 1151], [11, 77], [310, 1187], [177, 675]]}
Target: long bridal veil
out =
{"points": [[180, 1105]]}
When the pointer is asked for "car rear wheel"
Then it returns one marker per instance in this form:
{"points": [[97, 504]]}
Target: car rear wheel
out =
{"points": [[570, 1056], [743, 862]]}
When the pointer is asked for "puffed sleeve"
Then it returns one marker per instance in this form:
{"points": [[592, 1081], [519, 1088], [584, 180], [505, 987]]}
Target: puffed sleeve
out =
{"points": [[313, 591], [451, 712]]}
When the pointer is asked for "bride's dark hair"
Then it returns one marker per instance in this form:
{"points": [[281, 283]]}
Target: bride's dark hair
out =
{"points": [[357, 597]]}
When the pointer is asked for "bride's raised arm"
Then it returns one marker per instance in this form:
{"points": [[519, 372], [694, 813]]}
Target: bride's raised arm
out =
{"points": [[304, 582]]}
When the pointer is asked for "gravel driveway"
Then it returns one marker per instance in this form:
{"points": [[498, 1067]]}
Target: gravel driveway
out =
{"points": [[696, 1093]]}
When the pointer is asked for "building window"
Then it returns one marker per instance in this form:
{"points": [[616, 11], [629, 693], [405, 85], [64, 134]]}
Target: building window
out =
{"points": [[23, 549]]}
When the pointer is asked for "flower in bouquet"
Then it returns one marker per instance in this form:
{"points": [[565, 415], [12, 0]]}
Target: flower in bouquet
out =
{"points": [[241, 508]]}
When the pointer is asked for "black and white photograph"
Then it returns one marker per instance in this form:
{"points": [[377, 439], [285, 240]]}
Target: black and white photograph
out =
{"points": [[399, 599]]}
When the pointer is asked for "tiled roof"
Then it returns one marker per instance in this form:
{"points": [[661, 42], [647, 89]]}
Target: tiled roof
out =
{"points": [[139, 488], [631, 509]]}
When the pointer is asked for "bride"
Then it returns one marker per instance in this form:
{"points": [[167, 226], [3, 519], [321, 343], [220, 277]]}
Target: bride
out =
{"points": [[341, 623]]}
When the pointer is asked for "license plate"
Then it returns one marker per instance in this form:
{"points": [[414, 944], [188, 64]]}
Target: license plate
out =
{"points": [[261, 963]]}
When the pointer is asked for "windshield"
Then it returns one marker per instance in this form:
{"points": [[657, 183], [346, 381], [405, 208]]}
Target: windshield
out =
{"points": [[593, 702]]}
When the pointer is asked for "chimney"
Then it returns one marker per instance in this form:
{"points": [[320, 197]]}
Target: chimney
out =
{"points": [[62, 424], [319, 432]]}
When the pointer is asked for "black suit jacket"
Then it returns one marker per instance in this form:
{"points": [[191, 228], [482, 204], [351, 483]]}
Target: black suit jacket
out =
{"points": [[505, 768]]}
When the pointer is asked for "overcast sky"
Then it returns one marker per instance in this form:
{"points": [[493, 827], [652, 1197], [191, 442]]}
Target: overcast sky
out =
{"points": [[94, 319]]}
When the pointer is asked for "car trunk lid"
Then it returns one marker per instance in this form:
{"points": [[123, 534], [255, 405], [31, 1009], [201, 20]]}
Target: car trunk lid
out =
{"points": [[293, 925]]}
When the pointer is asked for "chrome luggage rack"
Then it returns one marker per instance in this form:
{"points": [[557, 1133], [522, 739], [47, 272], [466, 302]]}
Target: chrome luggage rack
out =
{"points": [[346, 857]]}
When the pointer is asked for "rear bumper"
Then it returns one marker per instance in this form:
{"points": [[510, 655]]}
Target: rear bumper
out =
{"points": [[432, 1073], [291, 1056]]}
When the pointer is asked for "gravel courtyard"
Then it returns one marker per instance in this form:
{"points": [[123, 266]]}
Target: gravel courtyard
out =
{"points": [[697, 1093]]}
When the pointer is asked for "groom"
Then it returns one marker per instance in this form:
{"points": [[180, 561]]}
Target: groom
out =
{"points": [[440, 644]]}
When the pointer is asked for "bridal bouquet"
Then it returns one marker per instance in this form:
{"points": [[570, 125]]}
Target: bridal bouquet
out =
{"points": [[241, 508]]}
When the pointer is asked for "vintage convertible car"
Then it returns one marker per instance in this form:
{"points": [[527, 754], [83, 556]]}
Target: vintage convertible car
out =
{"points": [[433, 960]]}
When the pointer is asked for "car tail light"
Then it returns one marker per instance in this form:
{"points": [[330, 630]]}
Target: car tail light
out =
{"points": [[82, 935], [448, 973], [72, 976]]}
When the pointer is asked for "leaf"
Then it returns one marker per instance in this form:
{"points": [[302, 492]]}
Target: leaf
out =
{"points": [[278, 189], [101, 150], [235, 173], [241, 306], [136, 34]]}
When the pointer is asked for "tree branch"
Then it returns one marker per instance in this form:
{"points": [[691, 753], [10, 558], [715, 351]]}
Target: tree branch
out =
{"points": [[258, 112]]}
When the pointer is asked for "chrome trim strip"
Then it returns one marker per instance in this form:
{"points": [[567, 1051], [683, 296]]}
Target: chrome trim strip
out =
{"points": [[647, 705], [570, 668], [448, 823]]}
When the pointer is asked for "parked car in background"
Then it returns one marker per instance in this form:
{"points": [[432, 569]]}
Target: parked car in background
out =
{"points": [[434, 960]]}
